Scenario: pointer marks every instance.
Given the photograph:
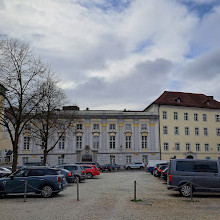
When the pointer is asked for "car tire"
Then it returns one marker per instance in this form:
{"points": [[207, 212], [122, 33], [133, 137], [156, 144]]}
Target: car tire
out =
{"points": [[46, 191], [141, 168], [76, 179], [128, 168], [89, 175], [185, 190]]}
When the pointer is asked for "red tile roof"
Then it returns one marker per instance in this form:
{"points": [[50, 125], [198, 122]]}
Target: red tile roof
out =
{"points": [[187, 100]]}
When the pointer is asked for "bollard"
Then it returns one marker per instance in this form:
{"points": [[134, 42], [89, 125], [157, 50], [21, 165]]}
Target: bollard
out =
{"points": [[25, 190], [77, 189], [135, 197], [190, 185]]}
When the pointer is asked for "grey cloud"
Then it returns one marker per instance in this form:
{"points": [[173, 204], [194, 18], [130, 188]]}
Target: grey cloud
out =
{"points": [[134, 89]]}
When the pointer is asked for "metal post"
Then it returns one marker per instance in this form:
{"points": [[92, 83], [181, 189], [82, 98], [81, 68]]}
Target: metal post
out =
{"points": [[25, 190], [135, 197], [77, 189], [191, 192]]}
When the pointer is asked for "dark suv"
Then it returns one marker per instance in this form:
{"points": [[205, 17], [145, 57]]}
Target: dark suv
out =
{"points": [[43, 180]]}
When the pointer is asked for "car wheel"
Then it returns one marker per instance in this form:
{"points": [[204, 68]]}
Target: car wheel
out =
{"points": [[185, 190], [47, 191], [128, 168], [89, 175], [76, 179], [141, 168]]}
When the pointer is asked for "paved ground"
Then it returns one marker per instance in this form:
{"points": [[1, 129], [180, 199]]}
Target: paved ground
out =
{"points": [[109, 197]]}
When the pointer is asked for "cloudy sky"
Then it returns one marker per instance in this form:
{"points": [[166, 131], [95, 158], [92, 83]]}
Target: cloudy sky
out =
{"points": [[122, 54]]}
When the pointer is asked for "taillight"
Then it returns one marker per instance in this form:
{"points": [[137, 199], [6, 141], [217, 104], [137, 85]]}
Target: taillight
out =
{"points": [[69, 174], [170, 178], [156, 168], [159, 170], [82, 171], [59, 179]]}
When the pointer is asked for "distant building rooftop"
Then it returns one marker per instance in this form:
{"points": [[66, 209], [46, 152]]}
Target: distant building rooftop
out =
{"points": [[187, 100]]}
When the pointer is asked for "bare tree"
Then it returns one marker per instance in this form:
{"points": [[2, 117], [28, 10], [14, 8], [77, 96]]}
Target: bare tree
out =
{"points": [[21, 75], [51, 125]]}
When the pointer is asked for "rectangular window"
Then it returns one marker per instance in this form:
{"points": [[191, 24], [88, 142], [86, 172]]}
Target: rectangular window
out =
{"points": [[204, 116], [186, 116], [165, 130], [41, 159], [144, 142], [27, 127], [112, 142], [198, 147], [144, 158], [143, 127], [78, 142], [79, 126], [206, 147], [218, 131], [176, 130], [95, 126], [177, 146], [26, 143], [186, 130], [164, 115], [60, 159], [205, 131], [61, 143], [208, 158], [196, 131], [112, 126], [175, 115], [128, 159], [217, 118], [25, 160], [128, 141], [61, 126], [128, 127], [218, 147], [196, 118], [112, 159], [188, 147], [166, 146], [95, 142]]}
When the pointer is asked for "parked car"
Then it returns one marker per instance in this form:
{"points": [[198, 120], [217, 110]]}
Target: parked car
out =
{"points": [[164, 174], [154, 170], [204, 175], [68, 175], [159, 170], [135, 166], [109, 167], [44, 181], [78, 171], [152, 163], [90, 163], [4, 172], [91, 170]]}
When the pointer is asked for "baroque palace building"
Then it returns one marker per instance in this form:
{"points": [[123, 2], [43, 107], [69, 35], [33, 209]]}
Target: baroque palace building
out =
{"points": [[103, 136], [189, 125]]}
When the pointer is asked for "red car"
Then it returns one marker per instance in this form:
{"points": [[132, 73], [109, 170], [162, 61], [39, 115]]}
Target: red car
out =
{"points": [[91, 170]]}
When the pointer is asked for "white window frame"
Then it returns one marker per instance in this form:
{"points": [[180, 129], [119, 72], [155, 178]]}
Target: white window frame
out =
{"points": [[165, 129], [217, 118], [112, 141], [207, 148], [144, 127], [205, 131], [166, 146], [112, 126], [96, 126], [144, 142], [177, 146], [26, 144], [127, 127], [198, 147], [196, 117], [204, 116], [196, 131], [128, 159], [186, 131], [164, 113], [175, 115], [61, 143], [78, 142], [217, 131], [95, 141], [188, 147], [128, 142], [186, 116], [176, 130]]}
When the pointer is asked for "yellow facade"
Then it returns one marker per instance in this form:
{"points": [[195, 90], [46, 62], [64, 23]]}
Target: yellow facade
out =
{"points": [[209, 142]]}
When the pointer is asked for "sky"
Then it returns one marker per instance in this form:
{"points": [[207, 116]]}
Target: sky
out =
{"points": [[122, 54]]}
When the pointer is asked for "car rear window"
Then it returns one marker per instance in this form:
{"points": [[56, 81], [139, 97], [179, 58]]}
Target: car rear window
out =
{"points": [[36, 172], [68, 167], [51, 172]]}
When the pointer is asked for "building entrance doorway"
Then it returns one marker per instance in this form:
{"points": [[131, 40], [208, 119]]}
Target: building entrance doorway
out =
{"points": [[86, 158]]}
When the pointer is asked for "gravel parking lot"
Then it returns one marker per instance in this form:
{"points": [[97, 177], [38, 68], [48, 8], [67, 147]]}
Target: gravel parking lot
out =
{"points": [[108, 196]]}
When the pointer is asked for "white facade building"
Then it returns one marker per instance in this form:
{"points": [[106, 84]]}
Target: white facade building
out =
{"points": [[101, 136]]}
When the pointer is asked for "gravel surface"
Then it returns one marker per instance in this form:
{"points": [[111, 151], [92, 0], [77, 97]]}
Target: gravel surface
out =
{"points": [[109, 196]]}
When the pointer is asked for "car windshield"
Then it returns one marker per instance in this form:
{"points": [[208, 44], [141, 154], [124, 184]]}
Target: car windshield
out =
{"points": [[20, 173]]}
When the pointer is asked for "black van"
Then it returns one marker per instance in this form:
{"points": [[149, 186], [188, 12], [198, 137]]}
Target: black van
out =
{"points": [[204, 175]]}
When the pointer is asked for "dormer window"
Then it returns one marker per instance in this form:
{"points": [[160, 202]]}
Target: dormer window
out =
{"points": [[178, 100]]}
